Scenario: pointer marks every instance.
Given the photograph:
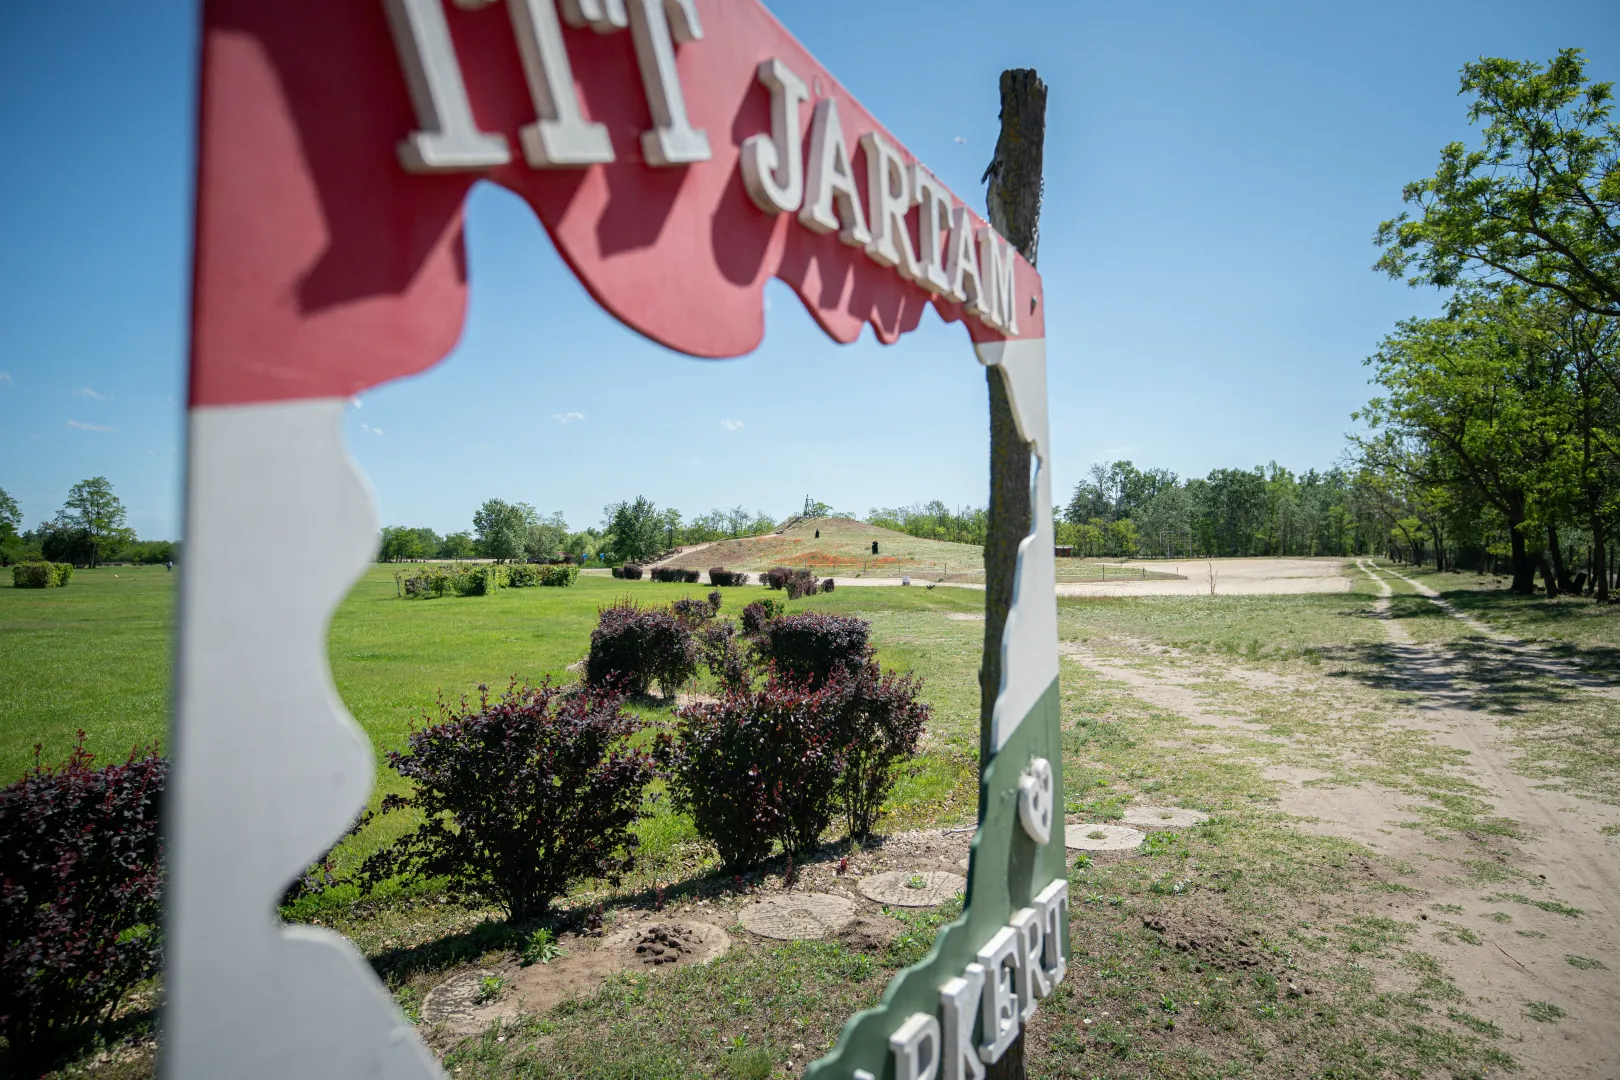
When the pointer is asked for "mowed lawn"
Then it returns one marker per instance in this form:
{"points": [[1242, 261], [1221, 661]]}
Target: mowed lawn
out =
{"points": [[98, 654]]}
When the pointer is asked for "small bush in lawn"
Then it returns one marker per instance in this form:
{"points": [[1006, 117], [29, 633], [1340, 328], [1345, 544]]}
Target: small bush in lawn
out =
{"points": [[559, 575], [756, 768], [727, 661], [522, 576], [424, 582], [756, 615], [810, 646], [665, 573], [827, 585], [80, 889], [41, 575], [880, 724], [616, 571], [519, 797], [715, 600], [635, 646], [478, 580], [692, 612], [776, 577], [719, 575], [631, 572], [799, 584]]}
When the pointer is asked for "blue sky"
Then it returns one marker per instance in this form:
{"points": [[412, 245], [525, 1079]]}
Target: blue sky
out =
{"points": [[1214, 174]]}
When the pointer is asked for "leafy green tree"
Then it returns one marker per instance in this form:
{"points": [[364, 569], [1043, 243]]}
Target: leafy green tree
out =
{"points": [[457, 545], [544, 539], [400, 544], [11, 546], [92, 508], [636, 531], [501, 529], [1537, 203]]}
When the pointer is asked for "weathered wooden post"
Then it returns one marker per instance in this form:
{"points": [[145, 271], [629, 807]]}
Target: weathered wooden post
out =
{"points": [[1014, 204]]}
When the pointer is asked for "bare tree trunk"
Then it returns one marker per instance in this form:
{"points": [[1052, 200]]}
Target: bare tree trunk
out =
{"points": [[1600, 568], [1560, 570], [1014, 203]]}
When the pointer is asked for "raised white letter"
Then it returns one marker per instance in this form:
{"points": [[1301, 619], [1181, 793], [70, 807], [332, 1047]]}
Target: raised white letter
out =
{"points": [[998, 1006], [958, 1002], [603, 16], [1032, 980], [561, 136], [655, 26], [447, 139], [1053, 904], [962, 268], [916, 1048], [888, 198], [933, 220], [1035, 799], [773, 165], [832, 179], [997, 264]]}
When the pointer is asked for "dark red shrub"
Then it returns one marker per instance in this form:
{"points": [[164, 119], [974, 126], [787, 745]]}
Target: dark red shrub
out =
{"points": [[80, 887], [827, 585], [519, 797], [726, 659], [719, 575], [715, 600], [757, 614], [692, 612], [809, 646], [632, 647], [756, 768], [800, 583], [880, 723], [690, 577], [630, 571], [776, 577]]}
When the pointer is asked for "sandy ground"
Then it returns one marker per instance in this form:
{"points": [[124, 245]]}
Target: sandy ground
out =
{"points": [[1232, 577], [1501, 967]]}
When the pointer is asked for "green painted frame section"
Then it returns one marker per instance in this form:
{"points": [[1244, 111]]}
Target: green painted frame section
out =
{"points": [[1005, 871]]}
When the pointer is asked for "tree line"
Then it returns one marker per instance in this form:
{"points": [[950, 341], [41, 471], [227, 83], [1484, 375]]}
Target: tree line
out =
{"points": [[90, 529], [631, 530], [1494, 439]]}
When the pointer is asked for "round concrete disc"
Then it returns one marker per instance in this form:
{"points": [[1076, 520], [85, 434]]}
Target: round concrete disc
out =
{"points": [[903, 888], [1164, 817], [797, 916], [1101, 838]]}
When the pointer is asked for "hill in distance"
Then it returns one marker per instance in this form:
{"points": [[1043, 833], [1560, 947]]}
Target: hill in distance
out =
{"points": [[844, 549]]}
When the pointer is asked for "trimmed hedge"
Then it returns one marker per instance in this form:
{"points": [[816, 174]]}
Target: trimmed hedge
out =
{"points": [[519, 797], [80, 892], [629, 571], [675, 574], [634, 646], [811, 646], [719, 575], [41, 575], [559, 575], [757, 614], [755, 768], [522, 576]]}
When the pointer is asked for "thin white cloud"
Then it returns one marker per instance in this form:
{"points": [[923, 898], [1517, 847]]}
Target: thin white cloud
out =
{"points": [[357, 403], [89, 427], [369, 430], [731, 425], [85, 391], [5, 377], [961, 140], [567, 417]]}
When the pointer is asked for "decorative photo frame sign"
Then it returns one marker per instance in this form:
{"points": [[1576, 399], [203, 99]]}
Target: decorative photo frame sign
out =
{"points": [[680, 153]]}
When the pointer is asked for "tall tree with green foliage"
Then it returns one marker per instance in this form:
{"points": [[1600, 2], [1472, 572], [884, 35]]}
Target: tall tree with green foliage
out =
{"points": [[636, 530], [98, 514], [500, 529], [1538, 203]]}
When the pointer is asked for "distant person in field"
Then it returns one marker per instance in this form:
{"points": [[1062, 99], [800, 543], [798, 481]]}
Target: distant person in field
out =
{"points": [[168, 564]]}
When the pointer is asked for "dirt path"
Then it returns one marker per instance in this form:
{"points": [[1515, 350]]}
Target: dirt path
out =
{"points": [[1229, 577], [1504, 913], [676, 554]]}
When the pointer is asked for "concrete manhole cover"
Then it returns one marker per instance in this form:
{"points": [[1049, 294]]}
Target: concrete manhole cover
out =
{"points": [[904, 888], [1164, 817], [1101, 838], [798, 916]]}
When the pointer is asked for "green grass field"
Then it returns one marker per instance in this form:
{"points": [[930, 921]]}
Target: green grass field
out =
{"points": [[97, 654]]}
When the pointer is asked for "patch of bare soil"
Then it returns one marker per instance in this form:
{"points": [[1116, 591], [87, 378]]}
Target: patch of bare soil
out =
{"points": [[458, 1007], [1525, 916]]}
